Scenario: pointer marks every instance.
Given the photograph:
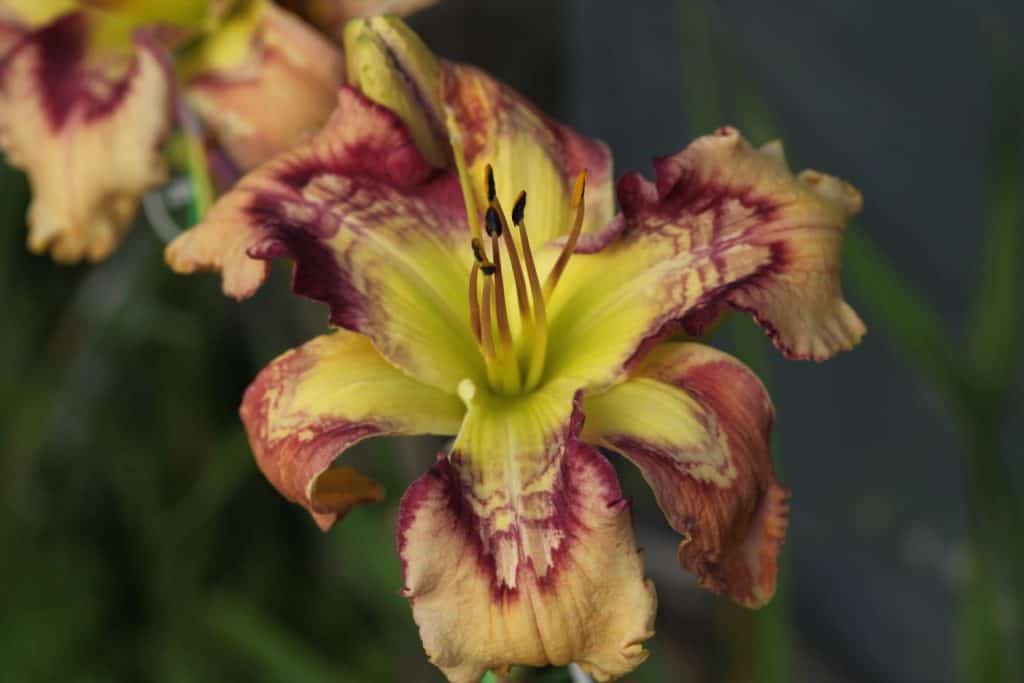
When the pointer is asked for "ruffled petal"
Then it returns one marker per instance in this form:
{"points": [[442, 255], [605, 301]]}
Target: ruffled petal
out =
{"points": [[87, 128], [281, 89], [375, 232], [723, 224], [310, 404], [697, 423], [528, 151], [518, 548]]}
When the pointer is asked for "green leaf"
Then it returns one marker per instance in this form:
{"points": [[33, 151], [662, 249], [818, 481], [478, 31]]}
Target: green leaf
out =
{"points": [[996, 314], [253, 634], [896, 308], [982, 640], [701, 71]]}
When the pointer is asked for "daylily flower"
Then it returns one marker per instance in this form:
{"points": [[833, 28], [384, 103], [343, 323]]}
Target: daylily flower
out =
{"points": [[85, 103], [88, 95], [264, 82], [496, 298]]}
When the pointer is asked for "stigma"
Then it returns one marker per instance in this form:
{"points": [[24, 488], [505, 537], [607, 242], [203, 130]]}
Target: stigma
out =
{"points": [[507, 300]]}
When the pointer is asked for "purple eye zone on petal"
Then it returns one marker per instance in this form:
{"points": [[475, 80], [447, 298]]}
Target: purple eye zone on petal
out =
{"points": [[680, 192], [65, 81]]}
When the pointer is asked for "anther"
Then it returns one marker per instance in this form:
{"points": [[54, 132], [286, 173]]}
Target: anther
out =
{"points": [[488, 268], [519, 208], [478, 250], [491, 191], [578, 189], [493, 222]]}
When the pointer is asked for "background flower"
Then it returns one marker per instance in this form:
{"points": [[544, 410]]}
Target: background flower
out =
{"points": [[90, 92]]}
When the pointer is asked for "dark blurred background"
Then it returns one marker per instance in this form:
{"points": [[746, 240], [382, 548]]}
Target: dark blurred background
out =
{"points": [[141, 544]]}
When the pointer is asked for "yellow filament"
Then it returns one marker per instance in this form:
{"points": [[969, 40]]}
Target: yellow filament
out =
{"points": [[486, 334], [474, 302], [574, 235], [539, 340], [517, 266], [507, 359]]}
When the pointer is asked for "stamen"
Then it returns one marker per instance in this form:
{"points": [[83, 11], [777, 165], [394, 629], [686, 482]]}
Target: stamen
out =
{"points": [[513, 257], [499, 295], [493, 222], [508, 362], [519, 208], [492, 193], [474, 301], [538, 349], [574, 234], [478, 250], [486, 335]]}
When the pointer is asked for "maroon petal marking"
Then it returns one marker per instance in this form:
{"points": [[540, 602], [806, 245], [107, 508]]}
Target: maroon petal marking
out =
{"points": [[698, 424], [533, 573], [87, 128], [375, 231], [765, 242]]}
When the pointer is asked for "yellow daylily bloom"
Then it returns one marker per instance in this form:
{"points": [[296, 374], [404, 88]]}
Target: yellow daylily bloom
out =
{"points": [[497, 299]]}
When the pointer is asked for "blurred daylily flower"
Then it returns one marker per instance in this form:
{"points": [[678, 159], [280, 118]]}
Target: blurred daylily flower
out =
{"points": [[89, 92], [85, 103], [263, 82], [484, 289]]}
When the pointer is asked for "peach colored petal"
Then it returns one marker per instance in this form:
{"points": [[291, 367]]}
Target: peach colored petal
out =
{"points": [[698, 423], [87, 130], [281, 94], [513, 555]]}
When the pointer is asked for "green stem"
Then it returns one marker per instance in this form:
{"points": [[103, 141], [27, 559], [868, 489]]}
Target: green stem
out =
{"points": [[994, 594], [198, 165]]}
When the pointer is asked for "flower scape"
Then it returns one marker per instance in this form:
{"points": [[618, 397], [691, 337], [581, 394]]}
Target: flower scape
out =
{"points": [[483, 287]]}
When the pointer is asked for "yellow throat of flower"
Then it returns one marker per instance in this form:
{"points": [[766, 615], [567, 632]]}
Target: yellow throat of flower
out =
{"points": [[513, 355]]}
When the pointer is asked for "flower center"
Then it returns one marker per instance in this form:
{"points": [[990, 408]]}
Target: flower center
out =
{"points": [[513, 348]]}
